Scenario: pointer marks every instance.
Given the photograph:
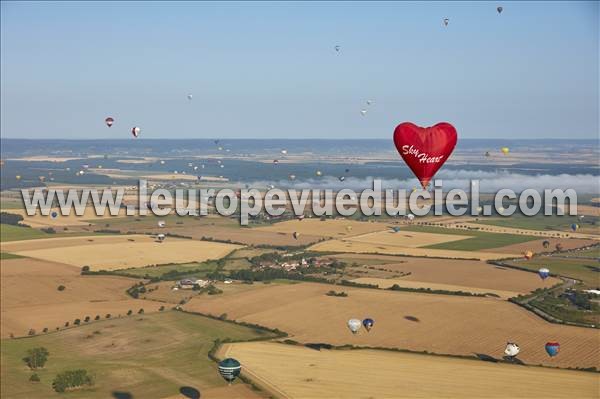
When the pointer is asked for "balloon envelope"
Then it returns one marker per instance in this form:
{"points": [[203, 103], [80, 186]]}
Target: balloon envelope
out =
{"points": [[109, 121], [368, 323], [512, 349], [229, 369], [354, 325], [135, 131], [425, 149], [505, 150], [544, 273], [552, 348]]}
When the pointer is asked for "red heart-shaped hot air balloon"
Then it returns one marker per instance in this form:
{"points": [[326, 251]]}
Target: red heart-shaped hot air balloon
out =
{"points": [[425, 149]]}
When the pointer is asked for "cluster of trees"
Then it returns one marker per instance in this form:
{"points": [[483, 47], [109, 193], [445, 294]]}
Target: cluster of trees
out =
{"points": [[72, 379], [36, 357], [10, 218], [48, 230], [338, 294], [396, 287]]}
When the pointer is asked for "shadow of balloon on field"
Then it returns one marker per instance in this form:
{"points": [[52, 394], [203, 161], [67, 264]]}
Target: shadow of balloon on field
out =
{"points": [[412, 318], [121, 395], [189, 392], [513, 360], [486, 358]]}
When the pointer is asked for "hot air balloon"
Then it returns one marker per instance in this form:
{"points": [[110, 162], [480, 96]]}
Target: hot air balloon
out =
{"points": [[300, 217], [135, 131], [229, 369], [368, 323], [546, 243], [195, 168], [296, 235], [348, 228], [511, 350], [162, 162], [161, 223], [446, 21], [396, 229], [410, 217], [501, 210], [292, 177], [552, 348], [544, 273], [53, 214], [160, 237], [369, 102], [487, 154], [499, 9], [284, 152], [220, 148], [189, 96], [479, 210], [363, 112], [574, 226], [528, 255], [275, 161], [354, 325], [319, 173], [505, 150], [342, 178], [18, 177], [109, 121], [42, 178], [346, 170], [337, 48], [425, 149]]}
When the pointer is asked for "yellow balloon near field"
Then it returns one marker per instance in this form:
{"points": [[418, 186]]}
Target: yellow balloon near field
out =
{"points": [[505, 150]]}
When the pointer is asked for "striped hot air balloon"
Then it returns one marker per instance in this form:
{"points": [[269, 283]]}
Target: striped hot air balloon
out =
{"points": [[229, 369], [135, 131], [544, 273], [552, 348]]}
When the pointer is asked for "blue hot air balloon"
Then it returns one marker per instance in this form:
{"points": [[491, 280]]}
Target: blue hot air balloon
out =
{"points": [[229, 369], [574, 226], [396, 229], [368, 323], [544, 273], [552, 348]]}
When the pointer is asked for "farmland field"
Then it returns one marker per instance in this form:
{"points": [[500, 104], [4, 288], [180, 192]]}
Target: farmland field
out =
{"points": [[298, 372], [580, 269], [16, 233], [31, 298], [119, 252], [478, 240], [327, 228], [422, 322], [144, 356], [539, 222], [360, 247], [451, 275]]}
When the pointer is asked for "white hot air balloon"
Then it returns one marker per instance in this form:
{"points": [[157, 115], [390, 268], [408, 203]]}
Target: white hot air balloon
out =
{"points": [[511, 350], [410, 217], [189, 96], [135, 131], [354, 325], [284, 152], [161, 223], [363, 112]]}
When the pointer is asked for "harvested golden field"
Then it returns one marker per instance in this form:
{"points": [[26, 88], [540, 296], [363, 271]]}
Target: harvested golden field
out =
{"points": [[119, 252], [353, 246], [421, 322], [327, 228], [31, 299], [298, 372], [406, 239], [537, 246], [449, 274], [39, 220]]}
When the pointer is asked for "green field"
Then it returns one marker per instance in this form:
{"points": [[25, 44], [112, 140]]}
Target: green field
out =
{"points": [[6, 255], [539, 222], [149, 356], [15, 233], [480, 239], [588, 253], [197, 269], [587, 271]]}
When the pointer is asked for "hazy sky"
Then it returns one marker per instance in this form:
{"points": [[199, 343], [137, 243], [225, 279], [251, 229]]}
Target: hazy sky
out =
{"points": [[270, 69]]}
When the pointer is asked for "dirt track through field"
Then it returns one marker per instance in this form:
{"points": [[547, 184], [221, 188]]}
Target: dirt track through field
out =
{"points": [[299, 372]]}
